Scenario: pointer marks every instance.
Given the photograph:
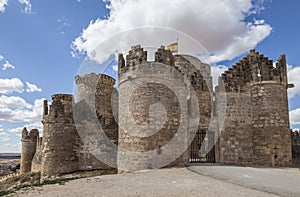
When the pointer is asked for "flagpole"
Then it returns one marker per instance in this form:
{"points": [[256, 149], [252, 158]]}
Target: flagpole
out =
{"points": [[177, 46]]}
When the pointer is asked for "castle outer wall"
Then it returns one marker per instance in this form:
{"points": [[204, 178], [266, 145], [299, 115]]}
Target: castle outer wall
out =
{"points": [[159, 106]]}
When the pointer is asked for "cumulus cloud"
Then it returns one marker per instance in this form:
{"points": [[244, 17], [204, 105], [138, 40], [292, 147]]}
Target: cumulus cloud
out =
{"points": [[13, 102], [32, 88], [28, 6], [7, 65], [1, 57], [295, 117], [11, 85], [218, 25], [21, 114], [216, 72], [3, 4], [18, 130], [293, 77], [10, 148], [4, 137]]}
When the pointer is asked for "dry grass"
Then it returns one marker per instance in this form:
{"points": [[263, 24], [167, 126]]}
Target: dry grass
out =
{"points": [[33, 179]]}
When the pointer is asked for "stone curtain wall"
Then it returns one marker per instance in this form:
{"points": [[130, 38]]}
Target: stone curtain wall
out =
{"points": [[161, 103], [236, 137]]}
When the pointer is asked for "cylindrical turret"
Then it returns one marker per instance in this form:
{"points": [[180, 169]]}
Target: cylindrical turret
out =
{"points": [[99, 93], [29, 142], [271, 128], [153, 119], [60, 141], [97, 106]]}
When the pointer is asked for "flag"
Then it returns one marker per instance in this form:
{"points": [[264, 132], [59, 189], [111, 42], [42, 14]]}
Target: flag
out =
{"points": [[173, 47]]}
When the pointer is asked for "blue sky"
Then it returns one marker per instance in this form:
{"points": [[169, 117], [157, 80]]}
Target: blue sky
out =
{"points": [[43, 44]]}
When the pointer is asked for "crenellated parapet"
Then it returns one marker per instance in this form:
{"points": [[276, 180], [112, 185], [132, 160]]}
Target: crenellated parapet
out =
{"points": [[136, 56], [91, 85], [164, 56], [254, 68], [95, 79], [295, 135], [60, 110], [32, 135]]}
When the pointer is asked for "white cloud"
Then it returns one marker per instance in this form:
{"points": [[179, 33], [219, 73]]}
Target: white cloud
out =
{"points": [[7, 65], [3, 4], [293, 77], [11, 85], [1, 57], [10, 148], [28, 6], [295, 116], [13, 102], [32, 116], [115, 68], [217, 24], [4, 137], [18, 130], [216, 72], [32, 88]]}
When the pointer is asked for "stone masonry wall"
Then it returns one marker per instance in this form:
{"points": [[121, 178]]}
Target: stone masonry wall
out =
{"points": [[296, 147], [37, 159], [235, 139]]}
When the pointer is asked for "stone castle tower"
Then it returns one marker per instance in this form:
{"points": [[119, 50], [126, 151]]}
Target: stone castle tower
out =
{"points": [[61, 141], [167, 111], [256, 129], [172, 83], [29, 144]]}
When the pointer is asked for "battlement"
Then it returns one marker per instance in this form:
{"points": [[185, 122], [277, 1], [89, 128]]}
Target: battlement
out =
{"points": [[63, 97], [95, 79], [61, 107], [137, 56], [295, 135], [254, 68], [164, 56], [32, 135]]}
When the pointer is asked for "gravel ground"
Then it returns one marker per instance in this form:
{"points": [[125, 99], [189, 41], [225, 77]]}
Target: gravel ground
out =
{"points": [[163, 182]]}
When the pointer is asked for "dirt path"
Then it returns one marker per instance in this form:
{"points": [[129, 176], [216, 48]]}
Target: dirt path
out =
{"points": [[164, 182]]}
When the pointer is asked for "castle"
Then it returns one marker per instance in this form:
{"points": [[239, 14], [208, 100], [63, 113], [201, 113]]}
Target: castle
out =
{"points": [[165, 113]]}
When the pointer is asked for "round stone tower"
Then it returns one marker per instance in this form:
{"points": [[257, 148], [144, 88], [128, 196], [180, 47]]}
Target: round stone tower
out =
{"points": [[61, 141], [29, 143], [98, 92], [96, 113], [271, 128], [153, 107]]}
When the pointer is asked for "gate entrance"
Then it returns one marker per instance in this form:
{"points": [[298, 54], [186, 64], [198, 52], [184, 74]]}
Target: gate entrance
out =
{"points": [[200, 139]]}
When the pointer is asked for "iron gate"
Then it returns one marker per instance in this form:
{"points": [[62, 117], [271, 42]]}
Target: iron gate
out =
{"points": [[200, 139]]}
